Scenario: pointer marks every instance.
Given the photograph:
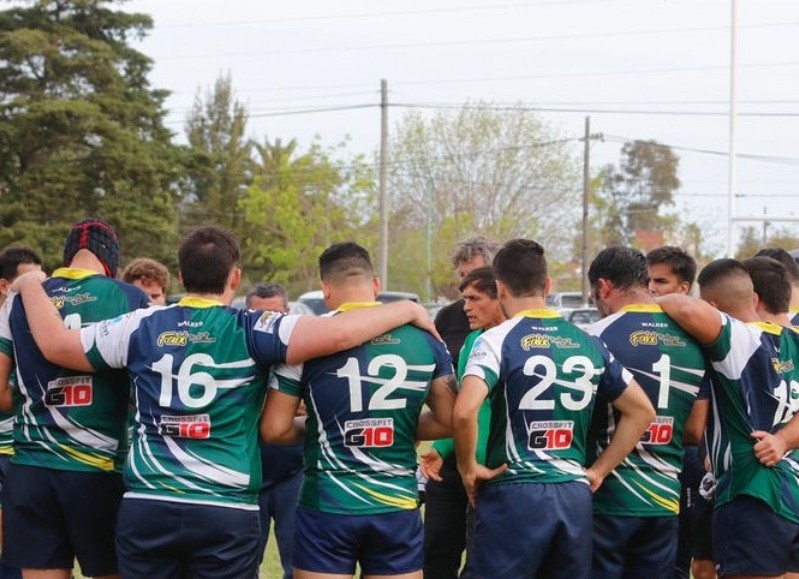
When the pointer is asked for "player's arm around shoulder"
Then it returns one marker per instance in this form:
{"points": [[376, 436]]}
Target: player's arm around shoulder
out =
{"points": [[637, 413], [697, 317], [58, 344], [319, 336]]}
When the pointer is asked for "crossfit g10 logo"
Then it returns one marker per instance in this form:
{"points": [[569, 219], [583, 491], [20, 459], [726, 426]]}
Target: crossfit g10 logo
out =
{"points": [[369, 432], [69, 391], [550, 435]]}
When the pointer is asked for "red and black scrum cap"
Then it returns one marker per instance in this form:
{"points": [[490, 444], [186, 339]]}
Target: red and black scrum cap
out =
{"points": [[98, 237]]}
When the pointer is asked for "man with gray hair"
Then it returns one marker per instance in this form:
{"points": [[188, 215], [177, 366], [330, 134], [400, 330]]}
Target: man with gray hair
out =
{"points": [[281, 464], [445, 500]]}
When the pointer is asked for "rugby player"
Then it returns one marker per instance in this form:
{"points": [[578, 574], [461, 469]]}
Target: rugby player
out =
{"points": [[752, 427], [63, 486], [635, 510], [445, 499], [281, 464], [673, 270], [543, 376], [199, 371], [359, 502], [14, 261], [792, 270], [149, 275]]}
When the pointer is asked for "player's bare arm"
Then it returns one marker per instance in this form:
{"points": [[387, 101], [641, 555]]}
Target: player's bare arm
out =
{"points": [[693, 315], [770, 448], [319, 336], [58, 344], [472, 393], [696, 422], [637, 414], [279, 421], [437, 422], [6, 397]]}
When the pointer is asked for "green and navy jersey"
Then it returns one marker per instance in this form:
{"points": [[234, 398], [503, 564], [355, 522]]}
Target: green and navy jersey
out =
{"points": [[69, 420], [793, 315], [669, 366], [199, 371], [754, 387], [363, 410], [544, 376], [6, 433]]}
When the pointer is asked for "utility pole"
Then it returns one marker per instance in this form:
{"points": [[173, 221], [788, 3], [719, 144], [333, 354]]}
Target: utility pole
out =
{"points": [[732, 176], [586, 198], [383, 261]]}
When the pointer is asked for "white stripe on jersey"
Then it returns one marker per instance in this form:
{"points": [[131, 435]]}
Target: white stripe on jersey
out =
{"points": [[744, 342]]}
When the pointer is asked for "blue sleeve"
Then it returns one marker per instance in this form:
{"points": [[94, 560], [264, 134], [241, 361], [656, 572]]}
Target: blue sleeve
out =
{"points": [[612, 382], [442, 357], [264, 336]]}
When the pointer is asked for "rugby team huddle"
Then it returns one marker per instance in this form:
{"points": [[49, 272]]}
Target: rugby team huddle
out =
{"points": [[136, 427]]}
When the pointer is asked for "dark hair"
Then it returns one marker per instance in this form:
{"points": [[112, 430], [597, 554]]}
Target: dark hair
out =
{"points": [[680, 262], [268, 289], [206, 257], [343, 260], [98, 237], [12, 257], [520, 265], [624, 267], [468, 249], [720, 269], [770, 282], [791, 267], [482, 279], [144, 268]]}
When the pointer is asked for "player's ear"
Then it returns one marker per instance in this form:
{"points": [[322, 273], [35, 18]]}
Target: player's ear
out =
{"points": [[325, 291], [502, 292], [234, 278], [376, 285], [547, 286], [4, 284]]}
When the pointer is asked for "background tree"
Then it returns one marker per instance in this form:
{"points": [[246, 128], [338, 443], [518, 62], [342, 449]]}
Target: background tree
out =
{"points": [[81, 131], [300, 203], [476, 170], [631, 195], [753, 239], [220, 157]]}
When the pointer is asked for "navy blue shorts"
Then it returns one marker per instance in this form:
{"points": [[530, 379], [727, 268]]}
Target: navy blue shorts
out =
{"points": [[385, 544], [163, 539], [634, 547], [52, 516], [751, 539], [528, 530]]}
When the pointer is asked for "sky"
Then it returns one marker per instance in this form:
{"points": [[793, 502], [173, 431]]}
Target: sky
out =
{"points": [[641, 69]]}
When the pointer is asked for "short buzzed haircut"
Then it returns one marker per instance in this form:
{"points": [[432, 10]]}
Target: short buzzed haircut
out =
{"points": [[482, 279], [770, 282], [344, 260], [12, 257], [624, 267], [680, 262], [520, 265], [726, 281], [148, 270], [785, 258], [267, 289], [468, 249]]}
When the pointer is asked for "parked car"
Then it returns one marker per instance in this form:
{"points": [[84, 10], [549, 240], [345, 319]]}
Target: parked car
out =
{"points": [[580, 317], [567, 300], [313, 303]]}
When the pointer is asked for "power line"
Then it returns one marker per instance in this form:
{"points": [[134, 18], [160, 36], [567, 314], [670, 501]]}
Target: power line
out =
{"points": [[467, 42], [474, 8]]}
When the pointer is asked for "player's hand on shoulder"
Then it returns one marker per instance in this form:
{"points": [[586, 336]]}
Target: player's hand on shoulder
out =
{"points": [[36, 276], [423, 320]]}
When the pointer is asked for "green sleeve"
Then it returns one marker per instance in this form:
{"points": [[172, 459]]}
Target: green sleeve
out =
{"points": [[445, 447], [468, 344]]}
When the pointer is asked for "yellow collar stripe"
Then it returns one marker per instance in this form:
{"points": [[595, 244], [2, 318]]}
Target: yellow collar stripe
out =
{"points": [[73, 273], [356, 305], [545, 313], [195, 302]]}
